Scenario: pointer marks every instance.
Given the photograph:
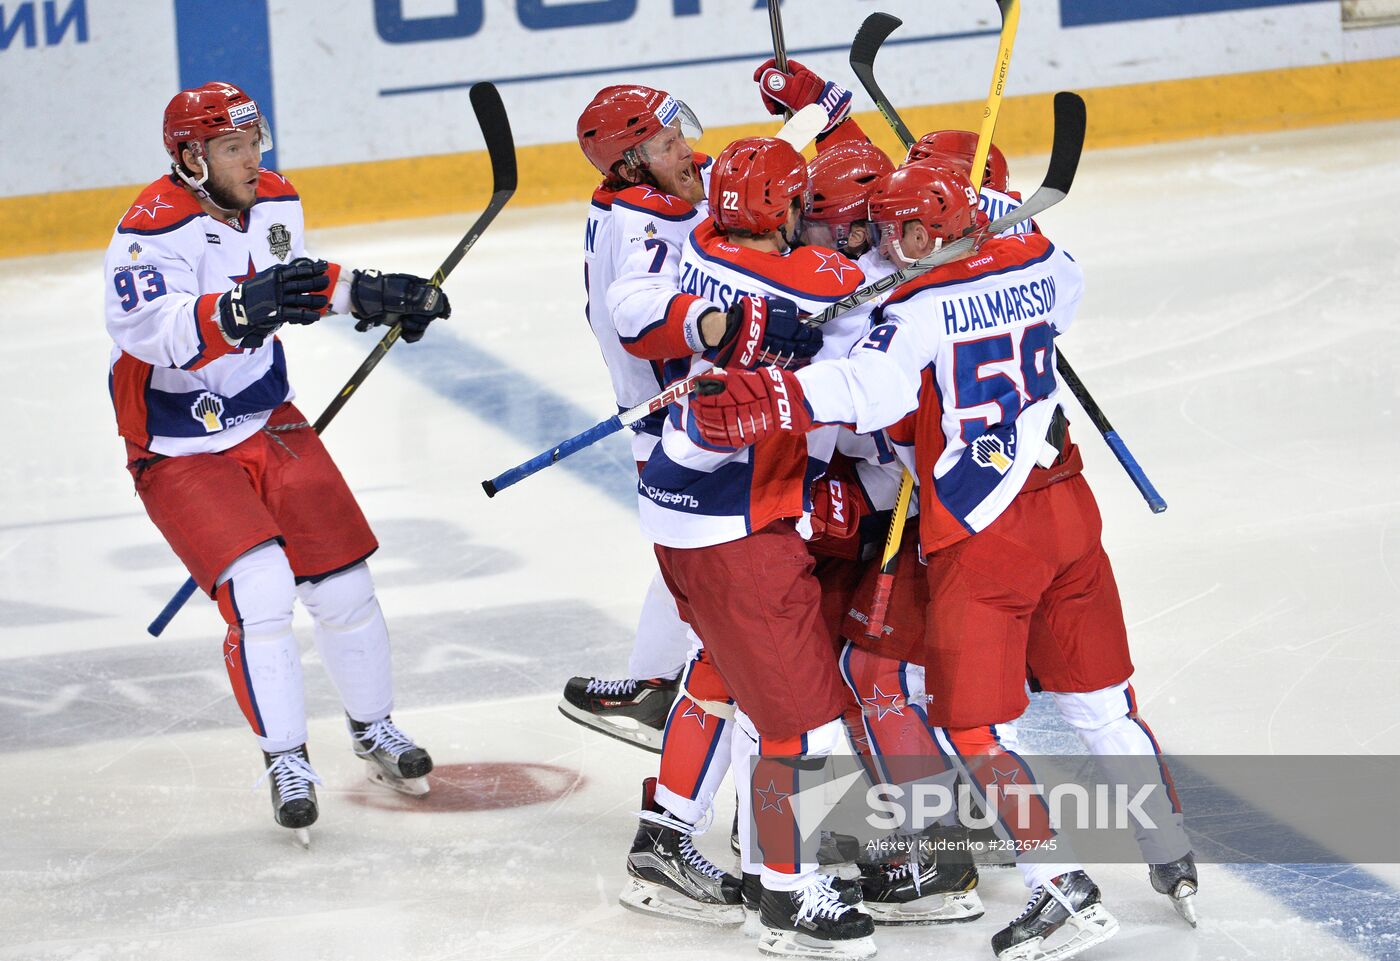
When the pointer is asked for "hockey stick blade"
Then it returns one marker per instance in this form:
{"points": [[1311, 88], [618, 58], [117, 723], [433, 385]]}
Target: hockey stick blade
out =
{"points": [[804, 126], [1064, 160], [500, 148], [1066, 148], [872, 33]]}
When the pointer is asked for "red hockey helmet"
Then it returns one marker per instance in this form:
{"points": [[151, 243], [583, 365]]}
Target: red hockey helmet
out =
{"points": [[753, 184], [961, 145], [940, 198], [841, 180], [619, 119], [213, 110]]}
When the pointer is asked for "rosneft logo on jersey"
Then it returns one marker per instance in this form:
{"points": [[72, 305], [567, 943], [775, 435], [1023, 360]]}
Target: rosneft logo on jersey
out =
{"points": [[207, 409]]}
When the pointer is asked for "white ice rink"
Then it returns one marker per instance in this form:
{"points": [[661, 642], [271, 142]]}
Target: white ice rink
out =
{"points": [[1240, 329]]}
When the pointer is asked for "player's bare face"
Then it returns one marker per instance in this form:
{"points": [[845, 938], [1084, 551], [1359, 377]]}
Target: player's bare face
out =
{"points": [[672, 164], [233, 169], [905, 244]]}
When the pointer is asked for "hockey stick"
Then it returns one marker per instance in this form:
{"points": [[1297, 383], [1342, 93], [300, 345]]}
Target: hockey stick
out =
{"points": [[500, 146], [775, 26], [1010, 19], [1064, 160], [873, 32]]}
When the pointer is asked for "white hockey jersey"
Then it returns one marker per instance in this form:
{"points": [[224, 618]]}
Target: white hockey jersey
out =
{"points": [[693, 494], [969, 349], [177, 385], [631, 265]]}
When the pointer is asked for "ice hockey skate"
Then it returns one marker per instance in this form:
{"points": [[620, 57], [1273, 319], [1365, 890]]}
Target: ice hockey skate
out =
{"points": [[1177, 880], [815, 921], [1069, 901], [627, 709], [393, 759], [292, 780], [667, 875], [941, 891]]}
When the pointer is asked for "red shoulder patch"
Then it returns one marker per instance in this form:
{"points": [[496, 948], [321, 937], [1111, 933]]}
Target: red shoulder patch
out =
{"points": [[998, 253], [274, 186], [603, 195], [651, 200], [161, 206], [832, 274]]}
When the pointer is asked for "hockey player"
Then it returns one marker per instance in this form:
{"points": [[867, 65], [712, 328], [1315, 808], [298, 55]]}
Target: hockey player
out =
{"points": [[722, 514], [1016, 573], [652, 196], [639, 218], [202, 271]]}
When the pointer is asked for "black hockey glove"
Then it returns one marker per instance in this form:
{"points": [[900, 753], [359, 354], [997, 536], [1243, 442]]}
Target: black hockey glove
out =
{"points": [[765, 330], [415, 303], [281, 294]]}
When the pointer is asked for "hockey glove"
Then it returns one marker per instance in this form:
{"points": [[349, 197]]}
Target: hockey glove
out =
{"points": [[838, 508], [738, 409], [281, 294], [765, 330], [415, 303], [799, 87]]}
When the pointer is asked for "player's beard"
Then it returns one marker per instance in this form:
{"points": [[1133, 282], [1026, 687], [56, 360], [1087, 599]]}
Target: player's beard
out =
{"points": [[222, 198]]}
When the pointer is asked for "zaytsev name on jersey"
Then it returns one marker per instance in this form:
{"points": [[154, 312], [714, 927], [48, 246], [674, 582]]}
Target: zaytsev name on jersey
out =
{"points": [[694, 494], [177, 384], [969, 349]]}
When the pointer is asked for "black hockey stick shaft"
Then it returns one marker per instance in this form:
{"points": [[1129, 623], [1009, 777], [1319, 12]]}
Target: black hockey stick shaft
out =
{"points": [[872, 33], [500, 146], [775, 26]]}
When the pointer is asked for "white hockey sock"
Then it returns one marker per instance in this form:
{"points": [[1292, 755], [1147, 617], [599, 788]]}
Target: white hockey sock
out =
{"points": [[1107, 723], [662, 644], [353, 641], [255, 596], [743, 748]]}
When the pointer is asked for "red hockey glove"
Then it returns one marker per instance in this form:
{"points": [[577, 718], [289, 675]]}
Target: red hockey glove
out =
{"points": [[838, 505], [799, 87], [738, 409]]}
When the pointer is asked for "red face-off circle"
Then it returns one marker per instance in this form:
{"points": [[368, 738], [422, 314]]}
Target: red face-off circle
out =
{"points": [[483, 786]]}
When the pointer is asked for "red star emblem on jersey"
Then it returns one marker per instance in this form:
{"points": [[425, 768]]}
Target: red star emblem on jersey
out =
{"points": [[649, 193], [248, 275], [1000, 777], [149, 209], [692, 711], [836, 265], [770, 798], [884, 704]]}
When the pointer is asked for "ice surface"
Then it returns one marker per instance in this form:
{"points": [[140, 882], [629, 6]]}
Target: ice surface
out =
{"points": [[1240, 329]]}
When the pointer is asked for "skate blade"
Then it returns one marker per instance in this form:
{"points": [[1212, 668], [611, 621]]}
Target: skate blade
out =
{"points": [[951, 908], [654, 899], [753, 925], [1184, 901], [626, 729], [302, 836], [1094, 925], [412, 786], [792, 944]]}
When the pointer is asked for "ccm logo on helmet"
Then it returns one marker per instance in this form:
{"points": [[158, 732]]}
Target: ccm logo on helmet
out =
{"points": [[906, 210], [784, 405]]}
